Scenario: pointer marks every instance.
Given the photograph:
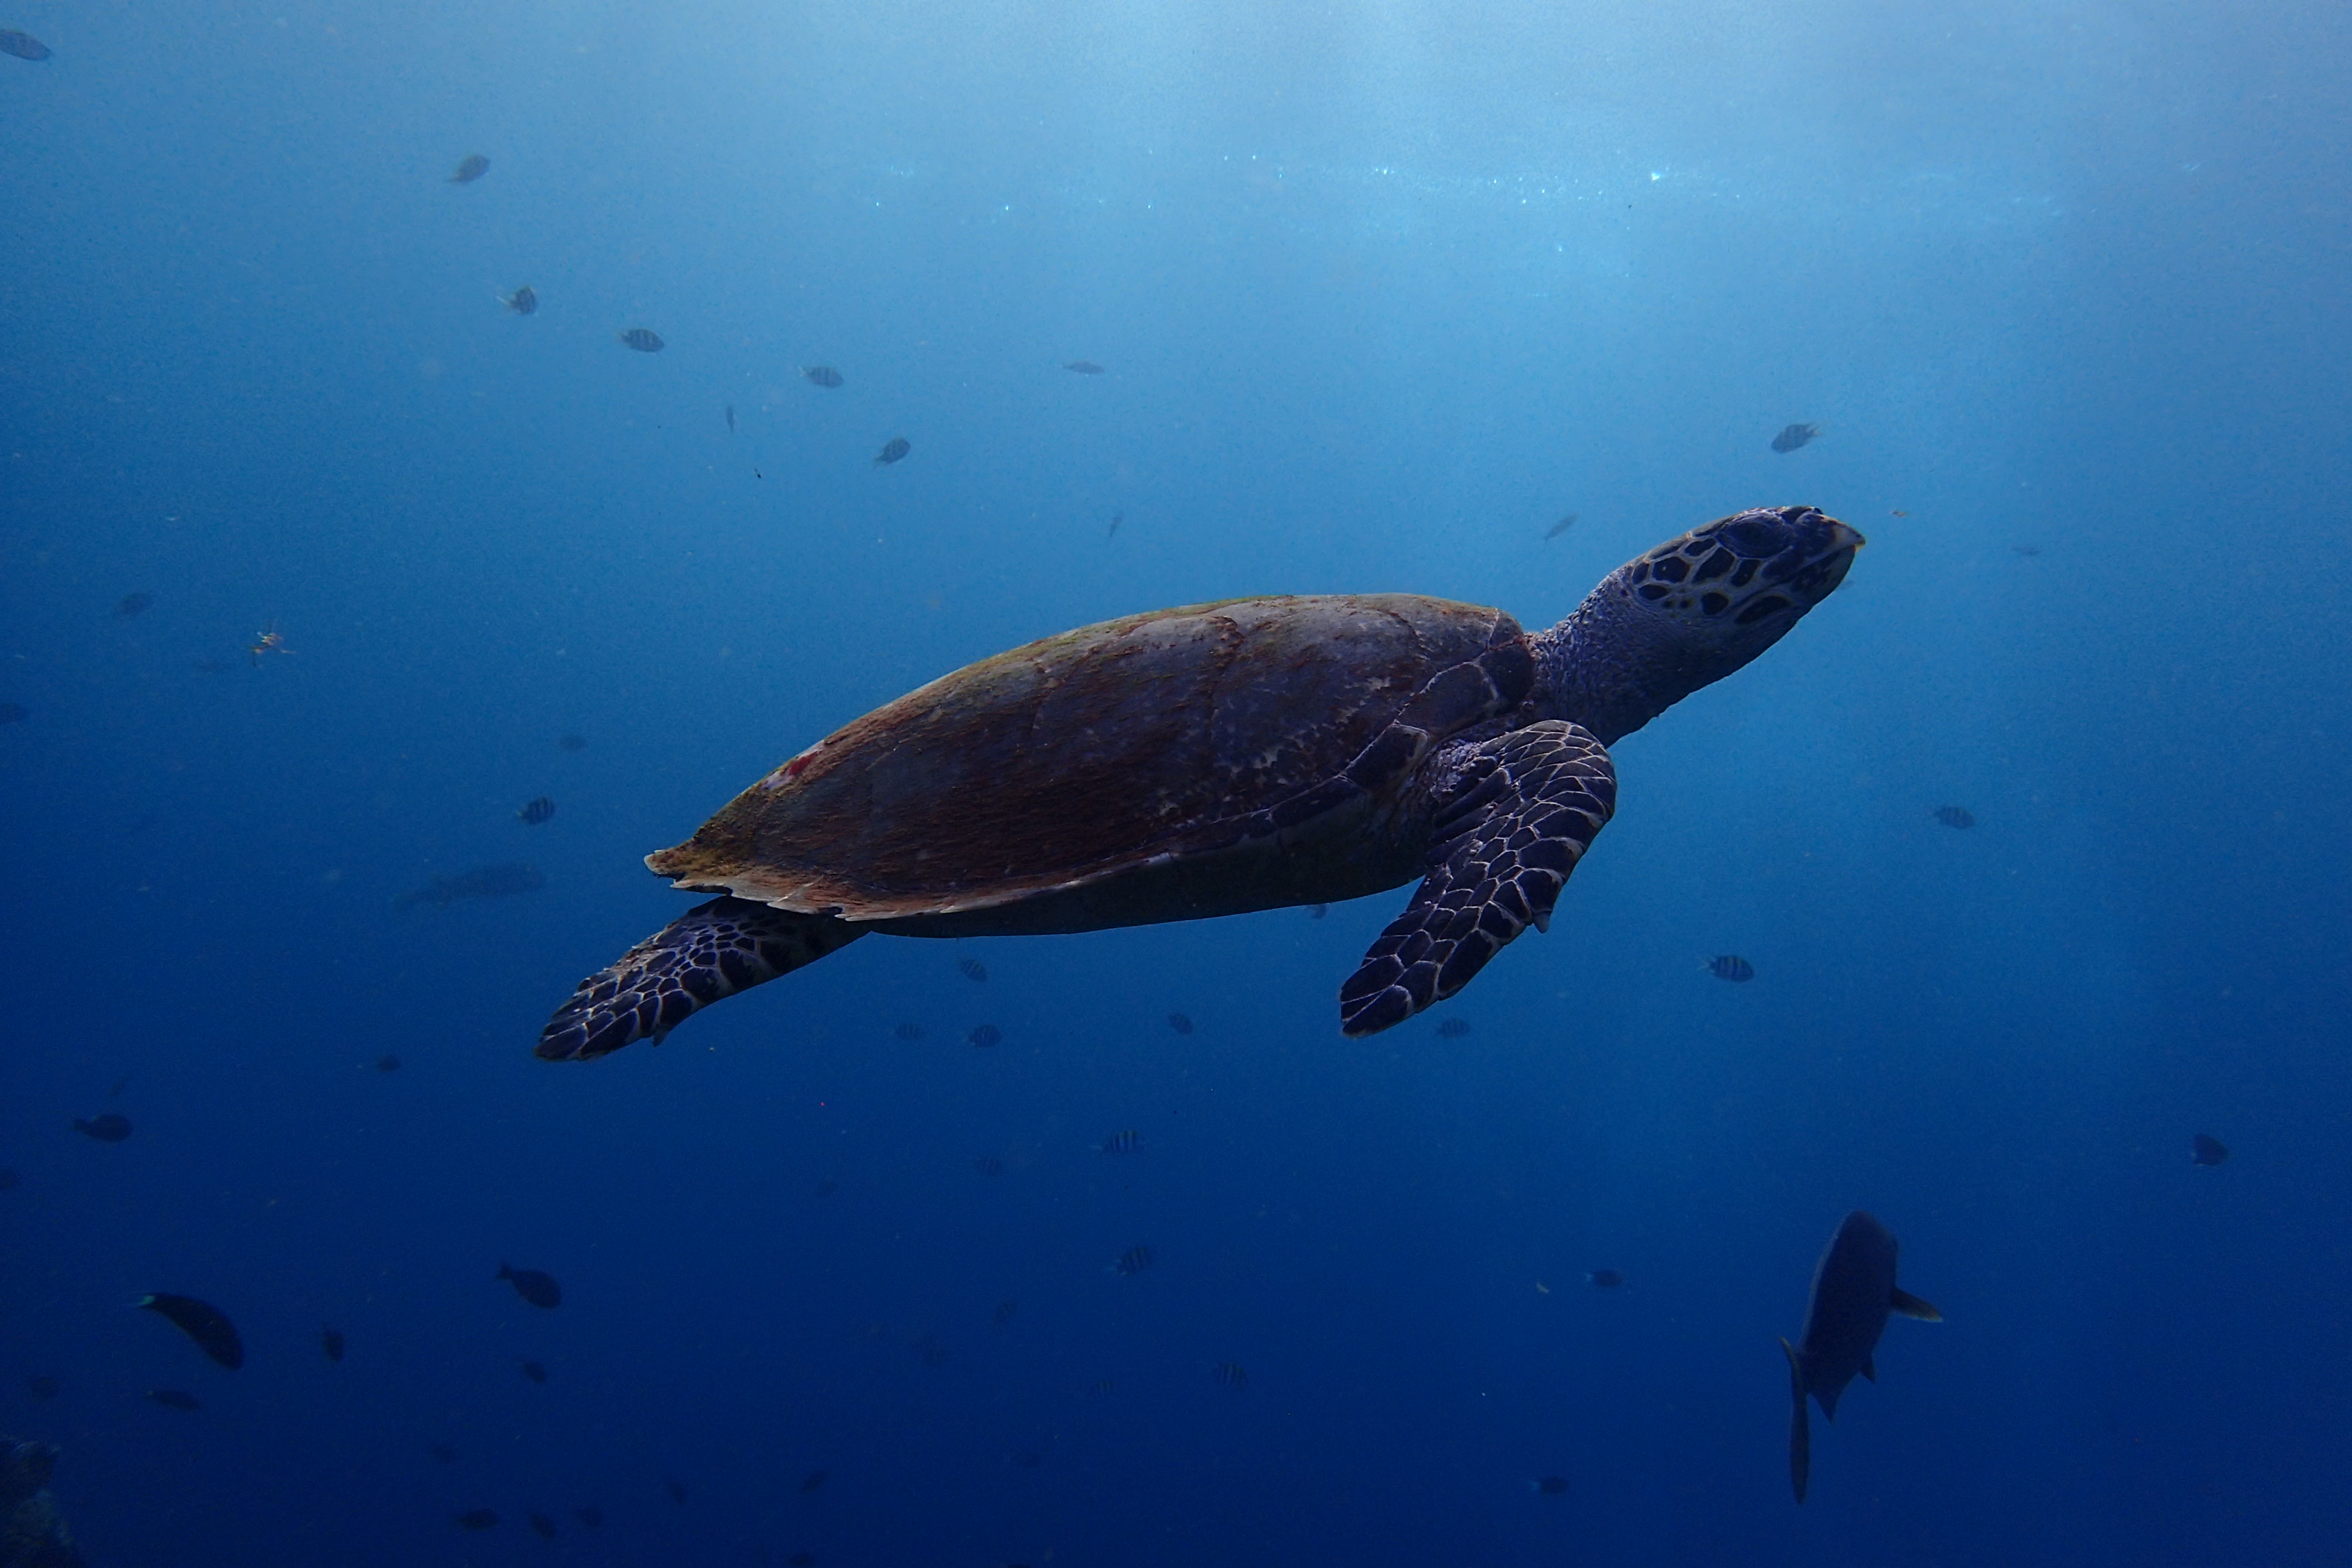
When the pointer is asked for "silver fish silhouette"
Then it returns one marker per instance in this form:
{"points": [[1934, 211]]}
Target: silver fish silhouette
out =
{"points": [[1853, 1291]]}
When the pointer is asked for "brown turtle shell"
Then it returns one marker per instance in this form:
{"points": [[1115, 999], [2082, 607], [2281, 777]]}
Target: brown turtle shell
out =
{"points": [[1147, 740]]}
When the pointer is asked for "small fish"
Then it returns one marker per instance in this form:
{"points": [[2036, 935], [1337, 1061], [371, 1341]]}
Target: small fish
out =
{"points": [[536, 811], [23, 45], [1084, 368], [590, 1515], [1116, 518], [678, 1491], [893, 449], [2207, 1150], [1853, 1291], [826, 1189], [522, 302], [572, 743], [1551, 1486], [442, 1452], [1955, 817], [41, 1388], [1562, 526], [1896, 512], [330, 1343], [802, 1560], [478, 1518], [1101, 1385], [1135, 1260], [2027, 549], [1120, 1142], [8, 1179], [1604, 1279], [1229, 1374], [473, 168], [387, 1063], [1180, 1023], [823, 375], [988, 1166], [1732, 967], [909, 1033], [644, 340], [1317, 911], [484, 882], [730, 419], [17, 712], [111, 1128], [174, 1399], [543, 1526], [813, 1481], [1794, 437], [1453, 1028], [985, 1034], [135, 605], [1003, 1312], [533, 1371], [971, 969], [201, 1321], [539, 1289]]}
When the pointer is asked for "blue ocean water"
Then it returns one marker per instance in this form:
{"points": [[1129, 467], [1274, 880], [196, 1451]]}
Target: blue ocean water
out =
{"points": [[1380, 293]]}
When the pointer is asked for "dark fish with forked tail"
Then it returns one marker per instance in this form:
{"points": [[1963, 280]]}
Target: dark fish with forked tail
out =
{"points": [[23, 45], [483, 882], [1853, 1291], [112, 1127], [2207, 1150], [539, 1289], [1794, 437], [644, 340], [892, 451], [203, 1323], [473, 168], [174, 1399]]}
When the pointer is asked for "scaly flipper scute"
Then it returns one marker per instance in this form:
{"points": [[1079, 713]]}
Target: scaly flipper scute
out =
{"points": [[709, 953], [1801, 1432], [1501, 852]]}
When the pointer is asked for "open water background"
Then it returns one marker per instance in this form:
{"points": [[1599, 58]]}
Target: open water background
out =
{"points": [[1382, 291]]}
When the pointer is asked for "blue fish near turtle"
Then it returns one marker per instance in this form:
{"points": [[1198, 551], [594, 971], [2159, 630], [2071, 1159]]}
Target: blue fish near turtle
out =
{"points": [[1219, 758], [1853, 1293]]}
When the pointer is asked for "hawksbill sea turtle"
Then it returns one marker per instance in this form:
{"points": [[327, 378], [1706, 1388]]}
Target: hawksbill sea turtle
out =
{"points": [[1217, 759]]}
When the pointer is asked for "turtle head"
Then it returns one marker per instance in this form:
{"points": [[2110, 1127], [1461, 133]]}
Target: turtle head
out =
{"points": [[1690, 612]]}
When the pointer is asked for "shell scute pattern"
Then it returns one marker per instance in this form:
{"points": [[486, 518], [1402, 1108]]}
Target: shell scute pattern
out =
{"points": [[1174, 734]]}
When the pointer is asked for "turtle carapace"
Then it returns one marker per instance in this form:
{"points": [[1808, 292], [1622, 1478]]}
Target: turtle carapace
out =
{"points": [[1217, 759]]}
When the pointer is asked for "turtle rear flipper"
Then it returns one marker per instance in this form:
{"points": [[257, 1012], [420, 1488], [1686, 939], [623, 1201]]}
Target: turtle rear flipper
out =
{"points": [[709, 953], [1501, 852]]}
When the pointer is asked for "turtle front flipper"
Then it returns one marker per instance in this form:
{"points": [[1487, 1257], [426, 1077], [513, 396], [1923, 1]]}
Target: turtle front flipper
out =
{"points": [[1500, 852], [709, 953]]}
